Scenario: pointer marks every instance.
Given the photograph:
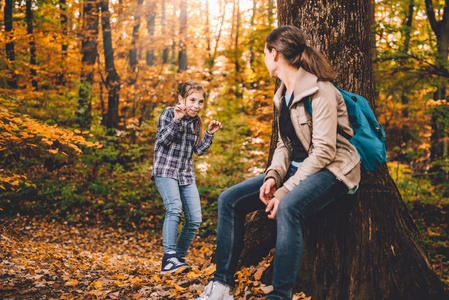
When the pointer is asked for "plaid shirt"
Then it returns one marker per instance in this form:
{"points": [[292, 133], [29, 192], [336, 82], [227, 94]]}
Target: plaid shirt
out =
{"points": [[175, 144]]}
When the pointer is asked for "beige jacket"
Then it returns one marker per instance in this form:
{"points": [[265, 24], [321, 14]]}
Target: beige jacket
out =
{"points": [[318, 134]]}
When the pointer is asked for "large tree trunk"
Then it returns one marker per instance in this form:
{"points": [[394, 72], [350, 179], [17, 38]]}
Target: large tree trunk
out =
{"points": [[361, 246], [9, 43], [112, 79], [89, 52]]}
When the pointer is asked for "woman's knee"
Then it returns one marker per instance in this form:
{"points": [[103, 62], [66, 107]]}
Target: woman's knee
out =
{"points": [[288, 210]]}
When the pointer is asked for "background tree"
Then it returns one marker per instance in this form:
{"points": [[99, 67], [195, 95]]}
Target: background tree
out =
{"points": [[362, 246], [182, 55], [9, 45], [89, 53]]}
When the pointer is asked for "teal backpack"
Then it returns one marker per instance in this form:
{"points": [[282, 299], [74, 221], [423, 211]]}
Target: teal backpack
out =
{"points": [[369, 136]]}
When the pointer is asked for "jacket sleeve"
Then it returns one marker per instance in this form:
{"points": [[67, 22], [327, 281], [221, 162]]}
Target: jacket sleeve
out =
{"points": [[204, 144], [279, 163], [167, 126], [324, 139]]}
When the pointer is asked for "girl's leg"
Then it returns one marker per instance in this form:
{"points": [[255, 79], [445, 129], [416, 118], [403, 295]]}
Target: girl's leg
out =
{"points": [[233, 205], [306, 199], [192, 212], [169, 190]]}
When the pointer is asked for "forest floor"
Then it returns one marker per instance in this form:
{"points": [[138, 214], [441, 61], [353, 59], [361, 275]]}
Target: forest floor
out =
{"points": [[50, 260]]}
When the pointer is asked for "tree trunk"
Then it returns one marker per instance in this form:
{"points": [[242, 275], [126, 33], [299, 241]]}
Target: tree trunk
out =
{"points": [[441, 30], [9, 43], [164, 31], [182, 56], [361, 246], [112, 79], [65, 46], [151, 18], [89, 52], [32, 43], [134, 39], [237, 28]]}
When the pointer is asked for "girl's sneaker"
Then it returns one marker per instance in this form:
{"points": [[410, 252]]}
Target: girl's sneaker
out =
{"points": [[171, 263], [216, 290]]}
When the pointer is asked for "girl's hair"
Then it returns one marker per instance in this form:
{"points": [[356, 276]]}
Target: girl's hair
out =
{"points": [[290, 42], [186, 89]]}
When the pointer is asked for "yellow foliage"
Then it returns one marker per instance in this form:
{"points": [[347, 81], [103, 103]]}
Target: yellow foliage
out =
{"points": [[20, 133]]}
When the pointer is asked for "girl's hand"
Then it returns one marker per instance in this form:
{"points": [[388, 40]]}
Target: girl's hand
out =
{"points": [[267, 190], [214, 126], [180, 111]]}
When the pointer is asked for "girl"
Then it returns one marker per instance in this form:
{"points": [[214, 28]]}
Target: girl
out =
{"points": [[179, 134], [312, 165]]}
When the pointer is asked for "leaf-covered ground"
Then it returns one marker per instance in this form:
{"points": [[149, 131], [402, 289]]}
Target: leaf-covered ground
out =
{"points": [[49, 260]]}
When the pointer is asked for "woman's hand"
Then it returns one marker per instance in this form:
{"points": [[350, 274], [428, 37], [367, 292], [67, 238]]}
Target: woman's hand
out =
{"points": [[214, 126], [180, 111], [272, 208], [267, 190]]}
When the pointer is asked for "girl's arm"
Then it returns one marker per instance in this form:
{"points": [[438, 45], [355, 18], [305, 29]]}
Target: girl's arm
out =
{"points": [[206, 141], [167, 126]]}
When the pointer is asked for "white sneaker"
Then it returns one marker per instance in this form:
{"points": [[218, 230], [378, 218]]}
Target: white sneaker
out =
{"points": [[216, 290]]}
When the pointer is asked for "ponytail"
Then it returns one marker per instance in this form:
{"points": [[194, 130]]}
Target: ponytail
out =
{"points": [[290, 42]]}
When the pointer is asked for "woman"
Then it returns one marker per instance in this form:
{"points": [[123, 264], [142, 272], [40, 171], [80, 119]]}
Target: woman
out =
{"points": [[311, 167]]}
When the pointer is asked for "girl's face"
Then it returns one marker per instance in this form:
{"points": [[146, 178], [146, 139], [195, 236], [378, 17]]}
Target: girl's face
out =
{"points": [[194, 103], [269, 60]]}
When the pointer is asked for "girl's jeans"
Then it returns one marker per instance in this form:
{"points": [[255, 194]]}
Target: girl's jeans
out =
{"points": [[176, 199], [307, 198]]}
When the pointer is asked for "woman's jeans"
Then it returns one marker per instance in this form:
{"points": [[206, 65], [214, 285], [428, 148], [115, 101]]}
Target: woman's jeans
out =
{"points": [[176, 199], [306, 199]]}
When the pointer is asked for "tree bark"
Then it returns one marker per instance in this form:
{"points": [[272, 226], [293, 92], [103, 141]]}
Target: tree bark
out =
{"points": [[361, 246], [89, 53], [32, 43], [182, 56], [9, 42], [112, 79]]}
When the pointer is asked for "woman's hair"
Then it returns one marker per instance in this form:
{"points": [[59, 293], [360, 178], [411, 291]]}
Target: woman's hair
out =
{"points": [[186, 89], [290, 42]]}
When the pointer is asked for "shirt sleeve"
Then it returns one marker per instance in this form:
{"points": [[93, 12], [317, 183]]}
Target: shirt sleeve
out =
{"points": [[204, 144], [167, 126]]}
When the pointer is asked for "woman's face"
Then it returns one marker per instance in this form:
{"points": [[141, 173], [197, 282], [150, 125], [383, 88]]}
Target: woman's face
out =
{"points": [[194, 103], [269, 61]]}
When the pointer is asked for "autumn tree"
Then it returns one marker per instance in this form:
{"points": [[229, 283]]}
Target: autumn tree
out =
{"points": [[363, 246], [32, 43], [112, 78], [182, 56], [89, 55], [439, 113], [9, 43]]}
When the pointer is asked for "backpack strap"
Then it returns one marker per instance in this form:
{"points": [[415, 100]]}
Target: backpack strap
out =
{"points": [[308, 107]]}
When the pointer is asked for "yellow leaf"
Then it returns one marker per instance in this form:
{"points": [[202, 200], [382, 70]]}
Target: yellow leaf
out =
{"points": [[119, 276], [15, 183], [85, 132], [77, 131], [156, 278], [96, 285], [71, 283]]}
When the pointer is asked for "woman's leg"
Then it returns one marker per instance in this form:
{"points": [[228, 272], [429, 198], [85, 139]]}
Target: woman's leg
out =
{"points": [[233, 205], [305, 200], [192, 212], [169, 190]]}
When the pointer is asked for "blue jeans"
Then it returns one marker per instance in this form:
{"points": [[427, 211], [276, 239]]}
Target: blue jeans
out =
{"points": [[306, 199], [176, 199]]}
